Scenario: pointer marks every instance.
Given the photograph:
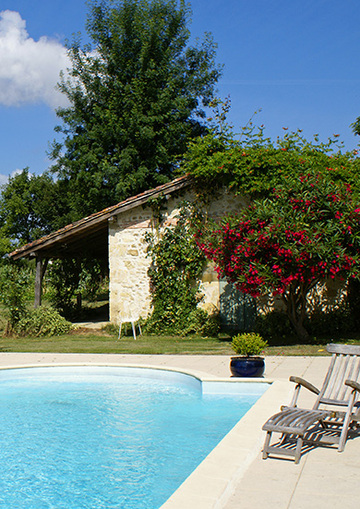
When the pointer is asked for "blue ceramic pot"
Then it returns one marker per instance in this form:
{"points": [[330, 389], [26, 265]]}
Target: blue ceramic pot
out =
{"points": [[247, 366]]}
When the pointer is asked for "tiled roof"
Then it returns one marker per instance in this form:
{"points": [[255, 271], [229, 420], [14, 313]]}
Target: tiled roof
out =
{"points": [[90, 233]]}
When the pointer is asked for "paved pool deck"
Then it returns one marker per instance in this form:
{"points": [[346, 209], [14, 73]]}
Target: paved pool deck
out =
{"points": [[234, 476]]}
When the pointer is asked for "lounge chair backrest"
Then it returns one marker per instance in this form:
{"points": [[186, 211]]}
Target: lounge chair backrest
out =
{"points": [[344, 365]]}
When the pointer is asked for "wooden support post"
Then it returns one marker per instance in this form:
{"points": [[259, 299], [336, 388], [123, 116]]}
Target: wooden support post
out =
{"points": [[39, 275]]}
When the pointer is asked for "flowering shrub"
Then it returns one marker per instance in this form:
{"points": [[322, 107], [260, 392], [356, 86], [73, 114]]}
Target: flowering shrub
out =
{"points": [[308, 229]]}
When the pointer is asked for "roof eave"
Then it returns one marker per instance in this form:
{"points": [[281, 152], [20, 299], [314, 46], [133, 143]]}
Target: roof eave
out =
{"points": [[97, 220]]}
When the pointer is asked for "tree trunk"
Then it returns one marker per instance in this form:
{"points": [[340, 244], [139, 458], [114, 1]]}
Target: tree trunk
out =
{"points": [[300, 330], [41, 265], [295, 302]]}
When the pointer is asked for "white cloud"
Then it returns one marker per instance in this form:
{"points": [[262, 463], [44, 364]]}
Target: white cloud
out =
{"points": [[4, 179], [29, 69]]}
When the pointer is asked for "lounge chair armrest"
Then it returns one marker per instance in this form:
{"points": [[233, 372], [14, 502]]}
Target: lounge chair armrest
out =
{"points": [[354, 385], [300, 381]]}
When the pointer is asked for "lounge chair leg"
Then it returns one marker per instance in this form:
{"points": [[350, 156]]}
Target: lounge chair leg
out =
{"points": [[344, 434], [299, 445], [266, 445], [345, 427]]}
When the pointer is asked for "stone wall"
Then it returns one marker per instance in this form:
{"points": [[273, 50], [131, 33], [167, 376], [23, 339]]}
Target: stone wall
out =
{"points": [[326, 296], [128, 263]]}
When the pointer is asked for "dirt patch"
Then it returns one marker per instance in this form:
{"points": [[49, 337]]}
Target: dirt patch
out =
{"points": [[84, 331]]}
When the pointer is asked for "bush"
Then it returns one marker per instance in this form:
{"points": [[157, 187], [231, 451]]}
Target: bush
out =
{"points": [[336, 321], [273, 326], [201, 322], [42, 321], [248, 343], [196, 321], [353, 302], [14, 283], [212, 325]]}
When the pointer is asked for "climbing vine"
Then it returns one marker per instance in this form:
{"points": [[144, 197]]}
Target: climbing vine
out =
{"points": [[175, 272]]}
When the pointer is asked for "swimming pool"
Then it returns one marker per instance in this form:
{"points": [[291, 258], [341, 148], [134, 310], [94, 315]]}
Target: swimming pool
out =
{"points": [[108, 437]]}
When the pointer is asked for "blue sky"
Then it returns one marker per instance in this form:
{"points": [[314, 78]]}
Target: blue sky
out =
{"points": [[296, 60]]}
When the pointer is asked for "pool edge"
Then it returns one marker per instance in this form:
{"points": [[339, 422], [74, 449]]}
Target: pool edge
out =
{"points": [[212, 483]]}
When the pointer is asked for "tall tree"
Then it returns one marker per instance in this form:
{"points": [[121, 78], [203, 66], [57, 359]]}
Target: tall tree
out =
{"points": [[136, 97], [30, 206], [356, 126]]}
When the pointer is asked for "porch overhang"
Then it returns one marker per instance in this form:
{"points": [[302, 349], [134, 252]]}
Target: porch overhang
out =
{"points": [[89, 236]]}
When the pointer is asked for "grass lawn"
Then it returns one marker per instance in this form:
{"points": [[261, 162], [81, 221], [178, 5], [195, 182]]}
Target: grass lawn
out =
{"points": [[100, 341], [97, 341], [105, 341]]}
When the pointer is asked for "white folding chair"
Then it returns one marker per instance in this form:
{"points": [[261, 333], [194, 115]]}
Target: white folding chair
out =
{"points": [[126, 317]]}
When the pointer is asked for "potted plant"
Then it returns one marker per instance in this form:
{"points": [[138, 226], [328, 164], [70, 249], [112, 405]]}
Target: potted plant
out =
{"points": [[248, 362]]}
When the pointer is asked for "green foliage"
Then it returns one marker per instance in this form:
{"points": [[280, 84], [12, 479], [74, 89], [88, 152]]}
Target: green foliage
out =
{"points": [[6, 246], [90, 279], [200, 322], [14, 282], [354, 302], [274, 325], [63, 276], [111, 329], [42, 321], [338, 322], [331, 323], [136, 96], [356, 126], [252, 165], [175, 272], [30, 206], [211, 325], [248, 343], [70, 277]]}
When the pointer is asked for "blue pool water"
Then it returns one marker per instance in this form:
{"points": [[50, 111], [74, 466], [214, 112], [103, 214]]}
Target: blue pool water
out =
{"points": [[95, 437]]}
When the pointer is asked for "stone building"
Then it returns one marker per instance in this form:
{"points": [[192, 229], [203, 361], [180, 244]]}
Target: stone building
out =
{"points": [[116, 235]]}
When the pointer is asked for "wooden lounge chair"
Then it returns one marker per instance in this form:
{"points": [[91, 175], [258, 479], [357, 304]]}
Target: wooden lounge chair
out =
{"points": [[336, 409]]}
